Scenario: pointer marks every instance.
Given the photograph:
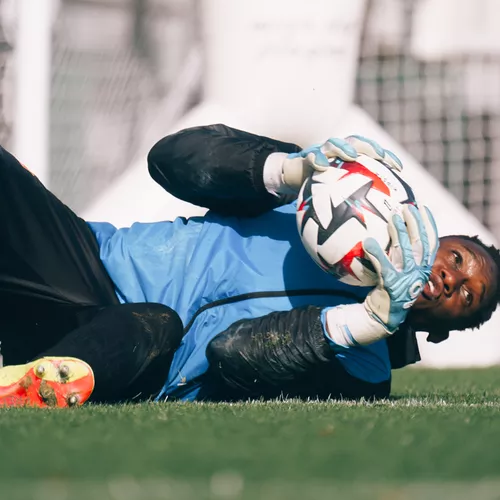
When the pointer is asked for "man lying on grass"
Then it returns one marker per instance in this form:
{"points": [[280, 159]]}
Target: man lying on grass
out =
{"points": [[222, 307]]}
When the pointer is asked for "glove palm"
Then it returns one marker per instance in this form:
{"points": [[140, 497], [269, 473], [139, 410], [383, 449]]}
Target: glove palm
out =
{"points": [[403, 275]]}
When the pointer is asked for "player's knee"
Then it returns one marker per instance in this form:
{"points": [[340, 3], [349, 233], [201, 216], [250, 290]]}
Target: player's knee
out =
{"points": [[154, 310], [161, 318], [159, 322]]}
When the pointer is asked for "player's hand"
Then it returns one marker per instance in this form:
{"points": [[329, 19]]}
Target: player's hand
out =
{"points": [[373, 149], [403, 275], [298, 166]]}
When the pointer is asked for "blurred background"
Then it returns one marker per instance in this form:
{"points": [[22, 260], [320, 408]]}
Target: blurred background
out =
{"points": [[88, 86]]}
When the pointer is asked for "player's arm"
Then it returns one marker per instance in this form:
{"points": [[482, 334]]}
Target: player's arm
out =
{"points": [[402, 275], [218, 167], [238, 173], [285, 354], [290, 350], [282, 352]]}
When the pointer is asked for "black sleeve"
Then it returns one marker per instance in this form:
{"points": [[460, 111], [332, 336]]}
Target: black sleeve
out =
{"points": [[217, 167], [403, 347], [281, 354]]}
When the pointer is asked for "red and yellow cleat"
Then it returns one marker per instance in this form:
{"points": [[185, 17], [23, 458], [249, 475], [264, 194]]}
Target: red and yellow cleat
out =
{"points": [[46, 382]]}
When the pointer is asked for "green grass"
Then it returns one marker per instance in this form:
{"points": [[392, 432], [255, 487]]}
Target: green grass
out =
{"points": [[438, 438]]}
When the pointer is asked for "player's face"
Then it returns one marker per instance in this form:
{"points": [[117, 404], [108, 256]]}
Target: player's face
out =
{"points": [[463, 280]]}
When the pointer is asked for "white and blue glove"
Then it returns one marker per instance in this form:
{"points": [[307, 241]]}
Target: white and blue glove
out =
{"points": [[403, 275], [285, 173], [401, 278]]}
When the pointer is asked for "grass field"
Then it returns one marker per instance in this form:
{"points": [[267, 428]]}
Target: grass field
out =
{"points": [[438, 438]]}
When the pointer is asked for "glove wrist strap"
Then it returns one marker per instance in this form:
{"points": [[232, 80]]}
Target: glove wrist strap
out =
{"points": [[351, 325], [273, 173]]}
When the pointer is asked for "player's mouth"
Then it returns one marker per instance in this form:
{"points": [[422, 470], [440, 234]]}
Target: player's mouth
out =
{"points": [[434, 288]]}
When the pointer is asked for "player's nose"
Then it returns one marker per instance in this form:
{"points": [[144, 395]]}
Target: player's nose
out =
{"points": [[451, 281]]}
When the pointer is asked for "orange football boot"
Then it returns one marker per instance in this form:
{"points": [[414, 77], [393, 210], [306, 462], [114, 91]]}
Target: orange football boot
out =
{"points": [[46, 382]]}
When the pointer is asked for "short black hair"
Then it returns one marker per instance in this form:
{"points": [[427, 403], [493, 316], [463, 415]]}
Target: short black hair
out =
{"points": [[488, 308]]}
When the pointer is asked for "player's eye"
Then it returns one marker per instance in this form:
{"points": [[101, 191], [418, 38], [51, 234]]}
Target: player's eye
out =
{"points": [[457, 258], [468, 297]]}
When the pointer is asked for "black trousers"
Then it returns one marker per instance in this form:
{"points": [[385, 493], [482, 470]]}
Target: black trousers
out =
{"points": [[57, 299]]}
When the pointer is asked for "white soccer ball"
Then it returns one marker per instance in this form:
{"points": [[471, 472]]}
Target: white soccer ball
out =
{"points": [[339, 208]]}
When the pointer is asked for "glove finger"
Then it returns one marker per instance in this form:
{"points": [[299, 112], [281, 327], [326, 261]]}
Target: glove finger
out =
{"points": [[432, 233], [374, 150], [393, 234], [395, 255], [418, 234], [339, 148], [317, 160], [366, 146], [393, 161], [378, 258], [404, 241]]}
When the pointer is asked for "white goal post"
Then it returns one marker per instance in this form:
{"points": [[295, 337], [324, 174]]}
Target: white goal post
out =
{"points": [[33, 45]]}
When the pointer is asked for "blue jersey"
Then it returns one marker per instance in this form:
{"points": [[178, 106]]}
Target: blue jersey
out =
{"points": [[216, 270]]}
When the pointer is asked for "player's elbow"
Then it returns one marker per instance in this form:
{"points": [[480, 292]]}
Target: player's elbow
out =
{"points": [[219, 349]]}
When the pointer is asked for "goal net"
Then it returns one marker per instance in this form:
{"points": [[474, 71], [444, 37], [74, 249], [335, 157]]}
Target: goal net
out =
{"points": [[443, 110], [114, 61]]}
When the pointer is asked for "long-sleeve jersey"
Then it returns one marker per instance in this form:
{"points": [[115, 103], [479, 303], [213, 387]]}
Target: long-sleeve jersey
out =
{"points": [[243, 260]]}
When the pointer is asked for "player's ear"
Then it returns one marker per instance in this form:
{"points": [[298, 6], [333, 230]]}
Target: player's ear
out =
{"points": [[438, 335]]}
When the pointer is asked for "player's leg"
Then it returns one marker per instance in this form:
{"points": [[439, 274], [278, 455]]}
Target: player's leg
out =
{"points": [[49, 265], [126, 350], [129, 347]]}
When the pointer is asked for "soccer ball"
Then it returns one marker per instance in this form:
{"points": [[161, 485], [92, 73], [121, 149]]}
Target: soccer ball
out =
{"points": [[339, 208]]}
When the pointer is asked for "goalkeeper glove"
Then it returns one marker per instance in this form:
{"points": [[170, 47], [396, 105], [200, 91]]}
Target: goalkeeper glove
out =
{"points": [[285, 174], [401, 278]]}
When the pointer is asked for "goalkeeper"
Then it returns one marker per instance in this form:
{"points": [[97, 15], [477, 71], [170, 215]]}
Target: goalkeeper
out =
{"points": [[223, 307]]}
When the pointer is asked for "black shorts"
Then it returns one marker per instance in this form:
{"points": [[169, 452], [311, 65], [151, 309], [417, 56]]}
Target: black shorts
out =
{"points": [[51, 276]]}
